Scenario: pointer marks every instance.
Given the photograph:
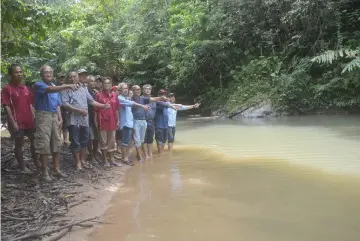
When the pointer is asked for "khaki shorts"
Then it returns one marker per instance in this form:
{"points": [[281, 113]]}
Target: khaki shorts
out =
{"points": [[107, 140], [47, 136]]}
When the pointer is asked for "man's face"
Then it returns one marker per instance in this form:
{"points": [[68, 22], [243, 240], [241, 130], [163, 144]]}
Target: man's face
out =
{"points": [[91, 83], [47, 74], [172, 99], [98, 84], [73, 78], [124, 90], [136, 90], [17, 74], [60, 80], [83, 77], [147, 90], [131, 93], [107, 85]]}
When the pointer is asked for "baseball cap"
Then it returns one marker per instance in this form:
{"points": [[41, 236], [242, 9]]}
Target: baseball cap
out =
{"points": [[162, 92], [80, 71]]}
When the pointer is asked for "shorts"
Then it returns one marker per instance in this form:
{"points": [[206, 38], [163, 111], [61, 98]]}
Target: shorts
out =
{"points": [[118, 135], [47, 135], [139, 132], [23, 132], [171, 134], [107, 140], [161, 135], [149, 135], [79, 137], [126, 133], [93, 133]]}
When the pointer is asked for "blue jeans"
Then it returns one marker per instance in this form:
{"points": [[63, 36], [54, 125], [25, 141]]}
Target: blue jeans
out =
{"points": [[139, 132], [79, 137], [126, 135]]}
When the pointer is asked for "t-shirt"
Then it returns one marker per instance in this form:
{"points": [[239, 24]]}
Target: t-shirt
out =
{"points": [[161, 115], [138, 112], [19, 98], [45, 101], [107, 118]]}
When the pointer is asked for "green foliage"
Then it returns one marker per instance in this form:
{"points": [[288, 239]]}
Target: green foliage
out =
{"points": [[228, 54]]}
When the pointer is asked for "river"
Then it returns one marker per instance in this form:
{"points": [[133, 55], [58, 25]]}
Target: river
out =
{"points": [[284, 179]]}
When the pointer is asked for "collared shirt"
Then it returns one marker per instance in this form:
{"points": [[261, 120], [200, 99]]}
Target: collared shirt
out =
{"points": [[19, 98], [80, 99], [139, 112], [126, 116], [45, 101], [107, 118], [172, 114], [161, 115]]}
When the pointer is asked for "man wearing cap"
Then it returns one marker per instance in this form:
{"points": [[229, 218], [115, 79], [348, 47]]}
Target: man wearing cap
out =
{"points": [[76, 102], [98, 81], [161, 121], [83, 74], [150, 128], [60, 80]]}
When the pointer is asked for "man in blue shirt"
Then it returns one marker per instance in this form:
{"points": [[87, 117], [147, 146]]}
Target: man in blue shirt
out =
{"points": [[126, 120], [150, 125], [172, 118], [48, 120], [161, 121], [140, 123]]}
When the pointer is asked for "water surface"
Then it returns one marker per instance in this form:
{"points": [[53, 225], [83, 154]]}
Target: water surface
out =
{"points": [[265, 180]]}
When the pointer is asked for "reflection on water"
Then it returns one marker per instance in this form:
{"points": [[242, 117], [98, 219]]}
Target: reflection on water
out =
{"points": [[248, 182]]}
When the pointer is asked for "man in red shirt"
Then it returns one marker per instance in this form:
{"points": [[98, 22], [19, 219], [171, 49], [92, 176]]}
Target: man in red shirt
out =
{"points": [[17, 100], [107, 121]]}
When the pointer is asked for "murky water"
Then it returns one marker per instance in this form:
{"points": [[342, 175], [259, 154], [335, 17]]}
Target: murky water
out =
{"points": [[261, 180]]}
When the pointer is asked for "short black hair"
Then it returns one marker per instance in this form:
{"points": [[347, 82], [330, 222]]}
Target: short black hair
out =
{"points": [[171, 95], [70, 72], [11, 68]]}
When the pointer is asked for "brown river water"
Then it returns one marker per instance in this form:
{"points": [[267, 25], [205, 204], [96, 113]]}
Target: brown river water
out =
{"points": [[290, 179]]}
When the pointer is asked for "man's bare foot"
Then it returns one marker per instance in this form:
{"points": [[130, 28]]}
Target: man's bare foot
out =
{"points": [[25, 170], [107, 164], [116, 164], [59, 174]]}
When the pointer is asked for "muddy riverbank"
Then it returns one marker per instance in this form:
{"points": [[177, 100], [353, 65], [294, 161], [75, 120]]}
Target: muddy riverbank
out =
{"points": [[32, 207]]}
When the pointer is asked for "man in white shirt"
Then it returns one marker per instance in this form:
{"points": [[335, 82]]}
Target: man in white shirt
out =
{"points": [[172, 118]]}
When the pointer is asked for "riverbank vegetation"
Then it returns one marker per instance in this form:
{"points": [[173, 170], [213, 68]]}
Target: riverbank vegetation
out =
{"points": [[299, 55]]}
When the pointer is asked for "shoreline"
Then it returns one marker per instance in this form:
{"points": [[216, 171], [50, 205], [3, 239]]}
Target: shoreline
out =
{"points": [[34, 207]]}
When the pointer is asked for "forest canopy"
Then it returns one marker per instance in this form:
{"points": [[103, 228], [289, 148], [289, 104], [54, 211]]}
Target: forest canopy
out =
{"points": [[299, 55]]}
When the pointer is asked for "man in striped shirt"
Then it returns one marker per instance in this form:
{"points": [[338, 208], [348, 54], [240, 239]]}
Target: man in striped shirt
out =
{"points": [[76, 102]]}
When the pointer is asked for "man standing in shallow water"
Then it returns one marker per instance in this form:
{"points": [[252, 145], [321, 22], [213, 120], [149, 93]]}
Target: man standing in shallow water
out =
{"points": [[48, 120], [140, 123]]}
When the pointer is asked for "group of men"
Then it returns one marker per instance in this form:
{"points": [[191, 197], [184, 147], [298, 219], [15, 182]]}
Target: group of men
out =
{"points": [[98, 118]]}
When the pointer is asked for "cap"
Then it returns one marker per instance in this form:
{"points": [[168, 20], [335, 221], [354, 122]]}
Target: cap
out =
{"points": [[171, 95], [98, 77], [114, 88], [61, 75], [80, 71], [162, 92]]}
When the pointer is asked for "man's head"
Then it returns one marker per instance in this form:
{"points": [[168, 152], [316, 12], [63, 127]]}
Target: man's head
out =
{"points": [[82, 75], [91, 82], [60, 78], [131, 93], [136, 90], [162, 92], [147, 90], [107, 84], [171, 97], [15, 73], [98, 80], [72, 77], [123, 89], [46, 73]]}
